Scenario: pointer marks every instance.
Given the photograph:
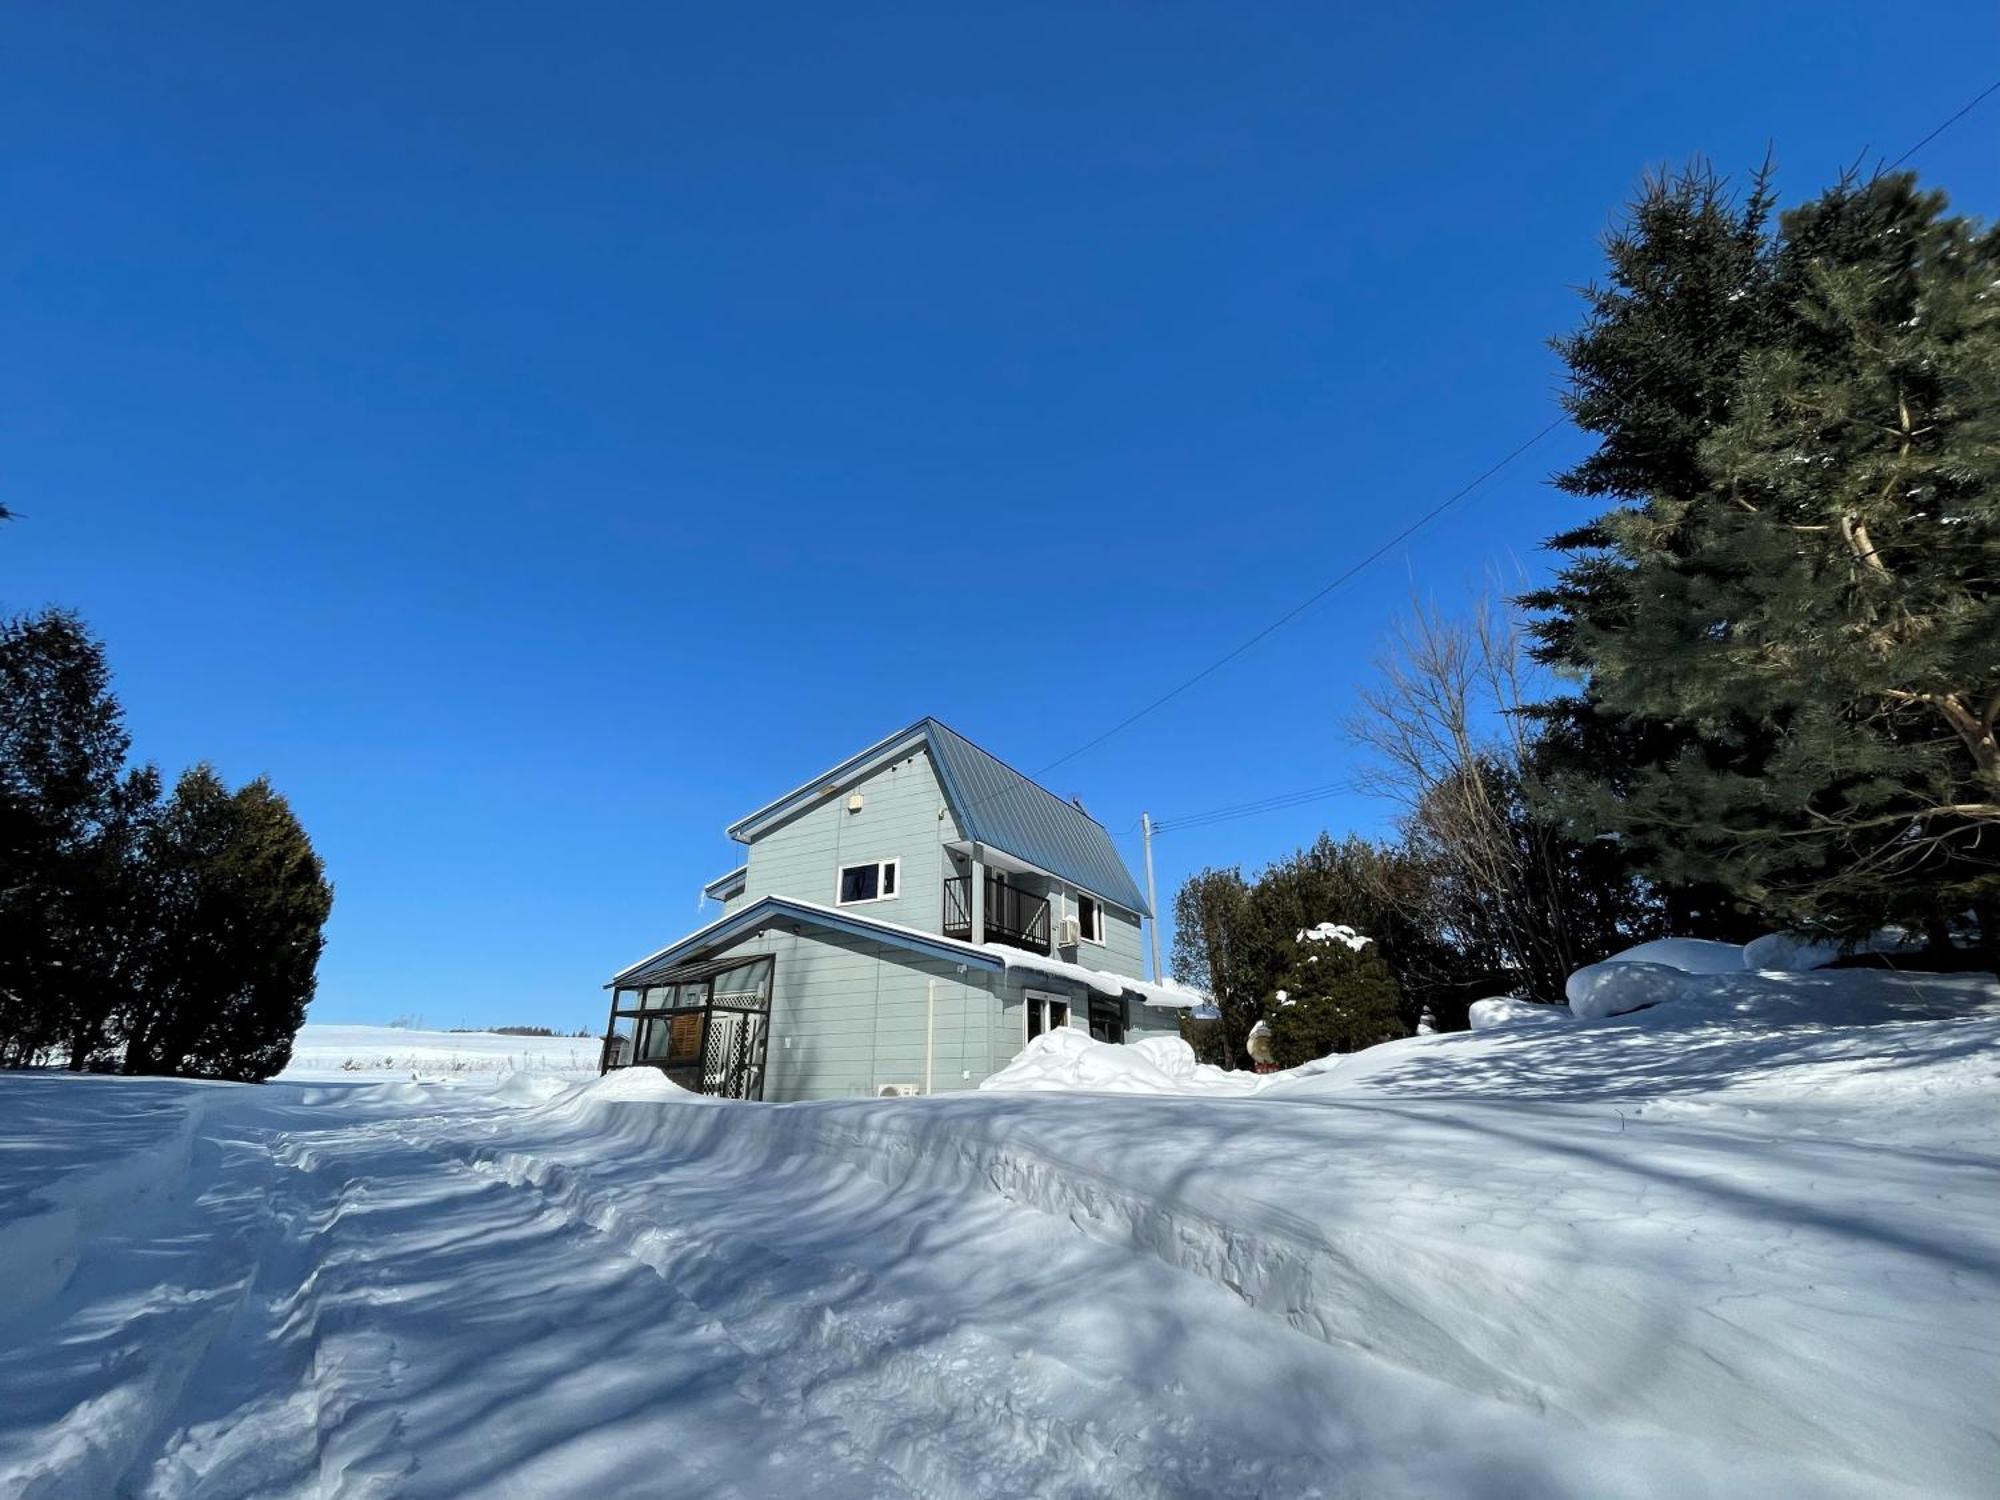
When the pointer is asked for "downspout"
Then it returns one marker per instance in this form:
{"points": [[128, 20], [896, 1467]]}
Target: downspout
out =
{"points": [[930, 1031]]}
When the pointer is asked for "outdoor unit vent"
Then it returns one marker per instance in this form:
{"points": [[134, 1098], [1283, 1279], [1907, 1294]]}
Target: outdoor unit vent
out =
{"points": [[898, 1090], [1072, 933]]}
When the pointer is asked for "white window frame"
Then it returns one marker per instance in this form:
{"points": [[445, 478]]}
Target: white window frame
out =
{"points": [[896, 879], [1043, 999], [1095, 939]]}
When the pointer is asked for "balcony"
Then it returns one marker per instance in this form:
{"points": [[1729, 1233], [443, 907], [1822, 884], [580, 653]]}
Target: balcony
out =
{"points": [[1013, 917]]}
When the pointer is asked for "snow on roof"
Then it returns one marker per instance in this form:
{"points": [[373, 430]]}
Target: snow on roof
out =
{"points": [[1162, 994]]}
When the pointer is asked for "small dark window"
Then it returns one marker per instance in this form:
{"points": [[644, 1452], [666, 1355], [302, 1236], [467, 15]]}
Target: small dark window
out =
{"points": [[1107, 1019], [874, 881], [1090, 918]]}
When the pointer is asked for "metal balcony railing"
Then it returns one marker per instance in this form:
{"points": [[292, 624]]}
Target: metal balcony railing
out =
{"points": [[1014, 917]]}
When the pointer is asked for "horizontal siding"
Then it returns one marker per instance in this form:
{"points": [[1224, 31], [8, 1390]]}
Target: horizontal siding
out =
{"points": [[850, 1016], [899, 819]]}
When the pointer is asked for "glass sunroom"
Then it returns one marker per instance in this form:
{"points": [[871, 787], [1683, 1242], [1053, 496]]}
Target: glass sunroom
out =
{"points": [[705, 1025]]}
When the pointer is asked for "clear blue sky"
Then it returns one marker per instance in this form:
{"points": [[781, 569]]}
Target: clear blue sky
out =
{"points": [[536, 435]]}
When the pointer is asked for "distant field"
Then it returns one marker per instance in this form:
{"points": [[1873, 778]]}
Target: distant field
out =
{"points": [[332, 1052]]}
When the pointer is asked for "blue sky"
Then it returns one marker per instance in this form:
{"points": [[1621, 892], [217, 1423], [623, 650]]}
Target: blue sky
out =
{"points": [[534, 436]]}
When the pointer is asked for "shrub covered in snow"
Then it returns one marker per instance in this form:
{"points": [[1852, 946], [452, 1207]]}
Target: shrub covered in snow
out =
{"points": [[1689, 955], [1338, 996]]}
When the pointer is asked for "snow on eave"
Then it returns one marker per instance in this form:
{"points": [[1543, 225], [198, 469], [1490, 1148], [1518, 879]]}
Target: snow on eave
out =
{"points": [[1161, 994]]}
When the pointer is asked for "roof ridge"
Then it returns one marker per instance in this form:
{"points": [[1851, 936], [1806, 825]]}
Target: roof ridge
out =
{"points": [[1068, 802]]}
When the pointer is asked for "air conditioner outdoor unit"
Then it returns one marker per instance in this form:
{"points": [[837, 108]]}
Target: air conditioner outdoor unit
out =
{"points": [[1072, 933], [898, 1090]]}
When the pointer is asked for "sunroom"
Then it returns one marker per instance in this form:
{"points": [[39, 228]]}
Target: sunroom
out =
{"points": [[705, 1025]]}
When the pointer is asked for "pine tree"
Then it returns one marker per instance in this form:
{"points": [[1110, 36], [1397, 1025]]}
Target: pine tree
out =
{"points": [[1784, 632], [241, 901], [1689, 291], [1827, 585]]}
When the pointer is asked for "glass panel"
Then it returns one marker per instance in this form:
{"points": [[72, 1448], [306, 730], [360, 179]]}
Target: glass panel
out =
{"points": [[1058, 1014], [889, 880], [860, 882], [749, 985], [1086, 918], [1034, 1019], [618, 1045], [654, 1038]]}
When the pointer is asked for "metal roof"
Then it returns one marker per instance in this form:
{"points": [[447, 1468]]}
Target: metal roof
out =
{"points": [[995, 804]]}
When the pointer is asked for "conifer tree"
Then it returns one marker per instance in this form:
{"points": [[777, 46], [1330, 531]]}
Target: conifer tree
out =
{"points": [[241, 901], [1786, 633], [68, 809]]}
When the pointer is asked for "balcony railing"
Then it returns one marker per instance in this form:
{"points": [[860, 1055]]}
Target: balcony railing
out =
{"points": [[1013, 917]]}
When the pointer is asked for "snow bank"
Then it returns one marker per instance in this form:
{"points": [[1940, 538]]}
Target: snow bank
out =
{"points": [[1689, 955], [1507, 1010], [1619, 985]]}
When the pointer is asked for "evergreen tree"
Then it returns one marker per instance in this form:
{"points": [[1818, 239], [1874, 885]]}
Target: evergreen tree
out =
{"points": [[68, 811], [1336, 994], [1689, 291], [1785, 631], [241, 899], [1826, 589]]}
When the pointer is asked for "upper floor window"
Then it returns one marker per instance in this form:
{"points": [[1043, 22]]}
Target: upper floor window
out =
{"points": [[1090, 919], [874, 881]]}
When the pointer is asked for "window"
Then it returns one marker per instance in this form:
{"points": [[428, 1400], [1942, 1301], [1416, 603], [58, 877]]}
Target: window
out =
{"points": [[870, 882], [1090, 918], [1046, 1013], [1107, 1019]]}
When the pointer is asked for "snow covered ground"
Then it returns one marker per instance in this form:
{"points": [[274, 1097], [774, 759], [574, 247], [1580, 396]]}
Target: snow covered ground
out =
{"points": [[1745, 1243]]}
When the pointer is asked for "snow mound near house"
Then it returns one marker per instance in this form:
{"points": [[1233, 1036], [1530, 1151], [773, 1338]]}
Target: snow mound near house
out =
{"points": [[1069, 1062], [623, 1084], [1507, 1010]]}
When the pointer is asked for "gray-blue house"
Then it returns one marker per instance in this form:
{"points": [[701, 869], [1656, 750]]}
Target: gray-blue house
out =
{"points": [[903, 922]]}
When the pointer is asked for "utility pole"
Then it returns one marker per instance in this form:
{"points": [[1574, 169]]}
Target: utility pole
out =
{"points": [[1152, 900]]}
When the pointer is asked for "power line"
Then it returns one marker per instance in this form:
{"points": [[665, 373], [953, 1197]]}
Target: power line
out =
{"points": [[1298, 609], [1408, 531], [1967, 108], [1274, 803]]}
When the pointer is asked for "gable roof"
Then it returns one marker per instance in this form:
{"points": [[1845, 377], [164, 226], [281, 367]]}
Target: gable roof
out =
{"points": [[991, 957], [994, 803]]}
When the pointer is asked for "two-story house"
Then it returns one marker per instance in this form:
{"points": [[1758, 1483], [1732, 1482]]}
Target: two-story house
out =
{"points": [[904, 922]]}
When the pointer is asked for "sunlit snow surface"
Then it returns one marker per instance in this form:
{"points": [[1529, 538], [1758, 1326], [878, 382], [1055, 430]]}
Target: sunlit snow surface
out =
{"points": [[1746, 1245]]}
